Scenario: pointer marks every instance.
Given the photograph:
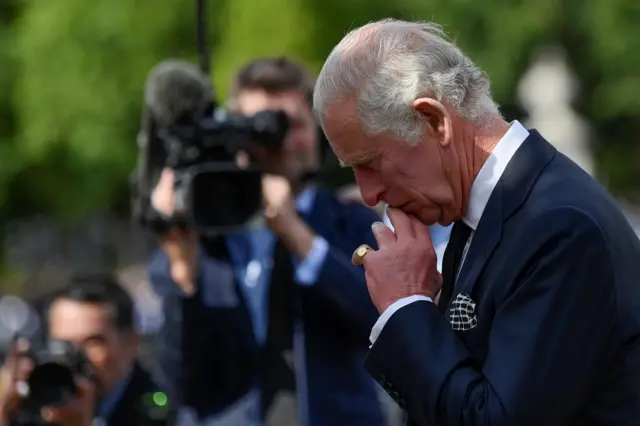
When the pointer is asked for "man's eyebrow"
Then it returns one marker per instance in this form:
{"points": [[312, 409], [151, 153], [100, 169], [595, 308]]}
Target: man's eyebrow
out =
{"points": [[97, 337]]}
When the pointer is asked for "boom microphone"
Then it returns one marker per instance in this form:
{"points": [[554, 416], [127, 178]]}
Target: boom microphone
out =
{"points": [[177, 93]]}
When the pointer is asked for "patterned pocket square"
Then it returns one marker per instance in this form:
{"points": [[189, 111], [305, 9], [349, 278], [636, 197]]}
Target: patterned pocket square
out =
{"points": [[462, 313]]}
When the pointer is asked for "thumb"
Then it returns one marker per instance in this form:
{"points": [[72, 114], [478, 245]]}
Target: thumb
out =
{"points": [[162, 195], [52, 415]]}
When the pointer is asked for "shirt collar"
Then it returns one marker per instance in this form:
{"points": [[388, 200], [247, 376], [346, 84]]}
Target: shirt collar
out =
{"points": [[491, 171], [439, 233]]}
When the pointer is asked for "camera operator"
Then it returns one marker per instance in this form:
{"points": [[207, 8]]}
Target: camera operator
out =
{"points": [[233, 309], [95, 315]]}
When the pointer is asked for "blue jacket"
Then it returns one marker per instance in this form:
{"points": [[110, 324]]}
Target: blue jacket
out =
{"points": [[550, 288], [211, 350]]}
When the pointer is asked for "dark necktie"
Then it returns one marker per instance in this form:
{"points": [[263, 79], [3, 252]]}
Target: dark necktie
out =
{"points": [[451, 261]]}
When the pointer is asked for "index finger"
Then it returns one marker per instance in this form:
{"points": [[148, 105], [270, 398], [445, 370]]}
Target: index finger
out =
{"points": [[401, 223]]}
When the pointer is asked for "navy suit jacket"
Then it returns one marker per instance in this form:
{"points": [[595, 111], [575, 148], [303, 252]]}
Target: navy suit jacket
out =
{"points": [[554, 270], [208, 353]]}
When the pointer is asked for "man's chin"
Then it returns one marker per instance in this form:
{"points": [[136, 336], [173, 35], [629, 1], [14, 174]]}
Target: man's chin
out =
{"points": [[425, 216], [412, 209]]}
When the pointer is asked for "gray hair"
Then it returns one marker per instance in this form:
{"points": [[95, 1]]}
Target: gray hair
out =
{"points": [[388, 64]]}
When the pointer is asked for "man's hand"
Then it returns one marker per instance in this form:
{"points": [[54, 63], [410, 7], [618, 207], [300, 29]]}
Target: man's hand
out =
{"points": [[279, 205], [282, 218], [163, 195], [78, 412], [13, 376], [405, 263], [181, 246]]}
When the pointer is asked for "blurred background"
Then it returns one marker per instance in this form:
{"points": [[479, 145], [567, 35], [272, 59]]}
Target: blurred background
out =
{"points": [[71, 84]]}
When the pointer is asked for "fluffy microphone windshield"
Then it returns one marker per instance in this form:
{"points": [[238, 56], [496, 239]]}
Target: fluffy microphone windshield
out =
{"points": [[177, 93]]}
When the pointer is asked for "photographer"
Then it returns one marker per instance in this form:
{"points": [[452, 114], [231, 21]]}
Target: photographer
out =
{"points": [[96, 316], [235, 309]]}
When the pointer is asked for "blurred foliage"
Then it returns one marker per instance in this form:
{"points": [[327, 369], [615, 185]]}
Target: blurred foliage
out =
{"points": [[72, 73]]}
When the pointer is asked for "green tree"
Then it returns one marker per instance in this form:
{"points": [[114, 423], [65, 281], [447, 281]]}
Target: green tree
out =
{"points": [[604, 45], [78, 94], [72, 76]]}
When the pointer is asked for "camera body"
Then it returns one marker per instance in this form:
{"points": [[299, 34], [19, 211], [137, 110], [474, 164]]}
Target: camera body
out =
{"points": [[213, 193], [57, 364]]}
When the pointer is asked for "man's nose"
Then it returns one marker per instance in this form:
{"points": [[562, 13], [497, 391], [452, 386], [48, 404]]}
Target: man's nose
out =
{"points": [[371, 189]]}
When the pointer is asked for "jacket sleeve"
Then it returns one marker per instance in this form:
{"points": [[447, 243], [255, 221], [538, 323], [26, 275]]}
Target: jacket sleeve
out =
{"points": [[548, 339], [205, 347], [338, 282]]}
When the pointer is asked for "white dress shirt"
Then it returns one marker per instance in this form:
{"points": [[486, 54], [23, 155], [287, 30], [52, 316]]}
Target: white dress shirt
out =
{"points": [[439, 236], [481, 190]]}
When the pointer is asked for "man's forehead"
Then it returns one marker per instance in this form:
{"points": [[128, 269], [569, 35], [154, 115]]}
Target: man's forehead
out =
{"points": [[253, 101], [343, 107], [349, 142], [87, 315], [341, 125]]}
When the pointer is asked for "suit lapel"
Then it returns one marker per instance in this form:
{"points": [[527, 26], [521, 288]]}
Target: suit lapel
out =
{"points": [[485, 239], [126, 409], [509, 194], [523, 171]]}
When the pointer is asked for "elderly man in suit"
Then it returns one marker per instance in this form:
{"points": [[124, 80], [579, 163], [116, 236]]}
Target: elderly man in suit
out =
{"points": [[538, 321]]}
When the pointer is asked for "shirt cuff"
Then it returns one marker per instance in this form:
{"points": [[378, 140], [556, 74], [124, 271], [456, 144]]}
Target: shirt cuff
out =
{"points": [[392, 309], [308, 270]]}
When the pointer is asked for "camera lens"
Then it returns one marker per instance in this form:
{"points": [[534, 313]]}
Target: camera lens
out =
{"points": [[224, 198], [51, 384]]}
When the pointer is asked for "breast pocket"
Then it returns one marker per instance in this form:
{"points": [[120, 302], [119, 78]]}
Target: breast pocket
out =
{"points": [[466, 320]]}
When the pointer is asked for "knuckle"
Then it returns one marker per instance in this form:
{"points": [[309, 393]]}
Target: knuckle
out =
{"points": [[372, 258]]}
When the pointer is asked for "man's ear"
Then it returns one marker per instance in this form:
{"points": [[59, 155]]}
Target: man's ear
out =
{"points": [[437, 117]]}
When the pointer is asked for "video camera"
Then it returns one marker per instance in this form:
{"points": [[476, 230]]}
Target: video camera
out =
{"points": [[183, 129], [57, 364], [214, 194]]}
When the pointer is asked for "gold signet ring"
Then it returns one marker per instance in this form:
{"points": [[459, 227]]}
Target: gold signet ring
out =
{"points": [[360, 253]]}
